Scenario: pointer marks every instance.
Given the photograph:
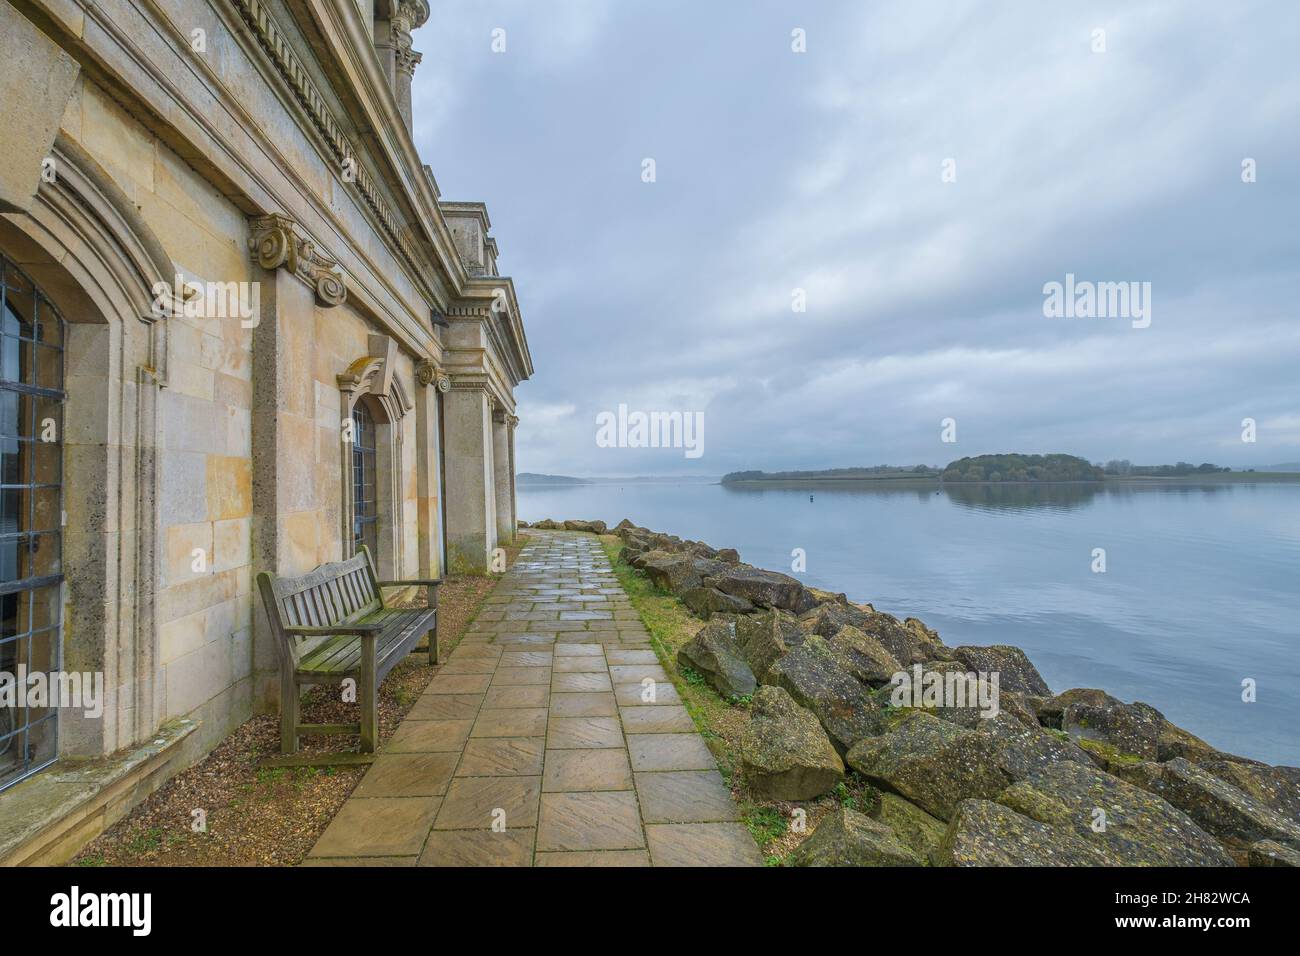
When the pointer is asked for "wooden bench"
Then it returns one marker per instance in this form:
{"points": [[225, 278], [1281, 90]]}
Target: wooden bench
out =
{"points": [[331, 625]]}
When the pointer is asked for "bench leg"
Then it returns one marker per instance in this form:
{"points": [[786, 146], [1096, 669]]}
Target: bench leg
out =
{"points": [[289, 702], [368, 687], [433, 634]]}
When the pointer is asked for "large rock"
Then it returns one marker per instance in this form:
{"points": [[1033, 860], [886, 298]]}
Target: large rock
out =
{"points": [[828, 597], [815, 680], [1015, 672], [784, 751], [595, 527], [624, 525], [639, 559], [762, 588], [764, 638], [936, 764], [700, 549], [983, 833], [1126, 730], [828, 617], [845, 837], [912, 825], [1128, 826], [1269, 853], [908, 641], [1173, 741], [713, 653], [705, 602], [863, 656], [1022, 749], [1219, 808], [1277, 788], [933, 763], [678, 573]]}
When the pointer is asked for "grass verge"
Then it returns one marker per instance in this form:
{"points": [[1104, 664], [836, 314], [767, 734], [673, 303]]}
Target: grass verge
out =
{"points": [[258, 816], [777, 826]]}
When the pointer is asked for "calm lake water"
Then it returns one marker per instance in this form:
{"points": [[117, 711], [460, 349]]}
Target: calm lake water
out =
{"points": [[1202, 587]]}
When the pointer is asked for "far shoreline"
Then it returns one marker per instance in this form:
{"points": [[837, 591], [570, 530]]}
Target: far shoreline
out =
{"points": [[1232, 477]]}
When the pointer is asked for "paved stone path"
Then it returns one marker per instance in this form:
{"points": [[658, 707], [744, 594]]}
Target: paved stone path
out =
{"points": [[550, 737]]}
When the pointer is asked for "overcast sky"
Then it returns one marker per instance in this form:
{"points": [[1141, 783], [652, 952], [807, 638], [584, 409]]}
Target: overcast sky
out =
{"points": [[824, 171]]}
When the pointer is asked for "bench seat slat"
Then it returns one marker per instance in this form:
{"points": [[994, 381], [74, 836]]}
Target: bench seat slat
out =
{"points": [[342, 654]]}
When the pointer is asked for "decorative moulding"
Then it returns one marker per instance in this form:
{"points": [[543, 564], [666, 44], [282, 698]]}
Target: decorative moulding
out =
{"points": [[277, 46], [276, 242], [429, 373]]}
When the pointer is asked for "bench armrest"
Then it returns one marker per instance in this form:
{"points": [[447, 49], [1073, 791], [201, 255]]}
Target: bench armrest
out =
{"points": [[428, 582], [358, 630]]}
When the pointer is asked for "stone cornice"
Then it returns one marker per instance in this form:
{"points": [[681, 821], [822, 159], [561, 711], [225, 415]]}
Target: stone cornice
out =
{"points": [[276, 44], [492, 300], [344, 39], [277, 242], [471, 381]]}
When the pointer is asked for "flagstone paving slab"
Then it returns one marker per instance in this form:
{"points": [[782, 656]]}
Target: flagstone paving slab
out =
{"points": [[502, 757], [669, 752], [671, 719], [685, 796], [408, 775], [583, 705], [586, 770], [590, 821], [701, 844], [551, 737]]}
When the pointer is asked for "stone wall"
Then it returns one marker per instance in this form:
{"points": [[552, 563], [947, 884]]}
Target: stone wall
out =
{"points": [[200, 448]]}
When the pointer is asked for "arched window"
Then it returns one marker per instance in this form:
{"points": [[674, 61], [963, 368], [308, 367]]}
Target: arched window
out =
{"points": [[365, 481], [31, 513], [374, 401]]}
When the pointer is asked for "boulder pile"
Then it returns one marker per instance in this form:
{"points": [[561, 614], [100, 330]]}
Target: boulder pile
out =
{"points": [[1075, 778]]}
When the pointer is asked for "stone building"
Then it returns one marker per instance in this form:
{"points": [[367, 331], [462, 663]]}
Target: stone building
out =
{"points": [[241, 332]]}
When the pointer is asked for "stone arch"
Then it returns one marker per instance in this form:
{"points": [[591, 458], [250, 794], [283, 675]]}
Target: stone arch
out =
{"points": [[94, 257], [372, 379]]}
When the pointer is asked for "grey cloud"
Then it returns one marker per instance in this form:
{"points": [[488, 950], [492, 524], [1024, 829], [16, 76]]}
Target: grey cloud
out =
{"points": [[821, 171]]}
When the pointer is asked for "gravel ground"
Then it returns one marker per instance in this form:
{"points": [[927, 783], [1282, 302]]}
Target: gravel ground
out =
{"points": [[263, 816]]}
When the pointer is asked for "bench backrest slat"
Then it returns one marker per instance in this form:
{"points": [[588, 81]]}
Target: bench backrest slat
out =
{"points": [[333, 593]]}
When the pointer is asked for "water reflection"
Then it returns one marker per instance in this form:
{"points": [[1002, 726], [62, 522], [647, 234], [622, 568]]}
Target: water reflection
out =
{"points": [[1002, 496]]}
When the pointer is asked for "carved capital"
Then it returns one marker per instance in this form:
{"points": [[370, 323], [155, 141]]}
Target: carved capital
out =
{"points": [[406, 58], [512, 421], [276, 242], [273, 242], [409, 15], [429, 373]]}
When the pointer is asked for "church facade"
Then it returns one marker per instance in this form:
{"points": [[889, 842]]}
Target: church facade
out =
{"points": [[242, 331]]}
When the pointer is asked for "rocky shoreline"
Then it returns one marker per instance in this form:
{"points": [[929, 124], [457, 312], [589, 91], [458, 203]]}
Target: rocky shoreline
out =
{"points": [[984, 766]]}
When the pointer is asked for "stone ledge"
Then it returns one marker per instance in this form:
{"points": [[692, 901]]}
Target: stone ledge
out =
{"points": [[47, 818]]}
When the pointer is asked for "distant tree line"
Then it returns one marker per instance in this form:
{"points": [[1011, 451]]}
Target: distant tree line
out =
{"points": [[1022, 468], [1123, 468], [871, 471]]}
